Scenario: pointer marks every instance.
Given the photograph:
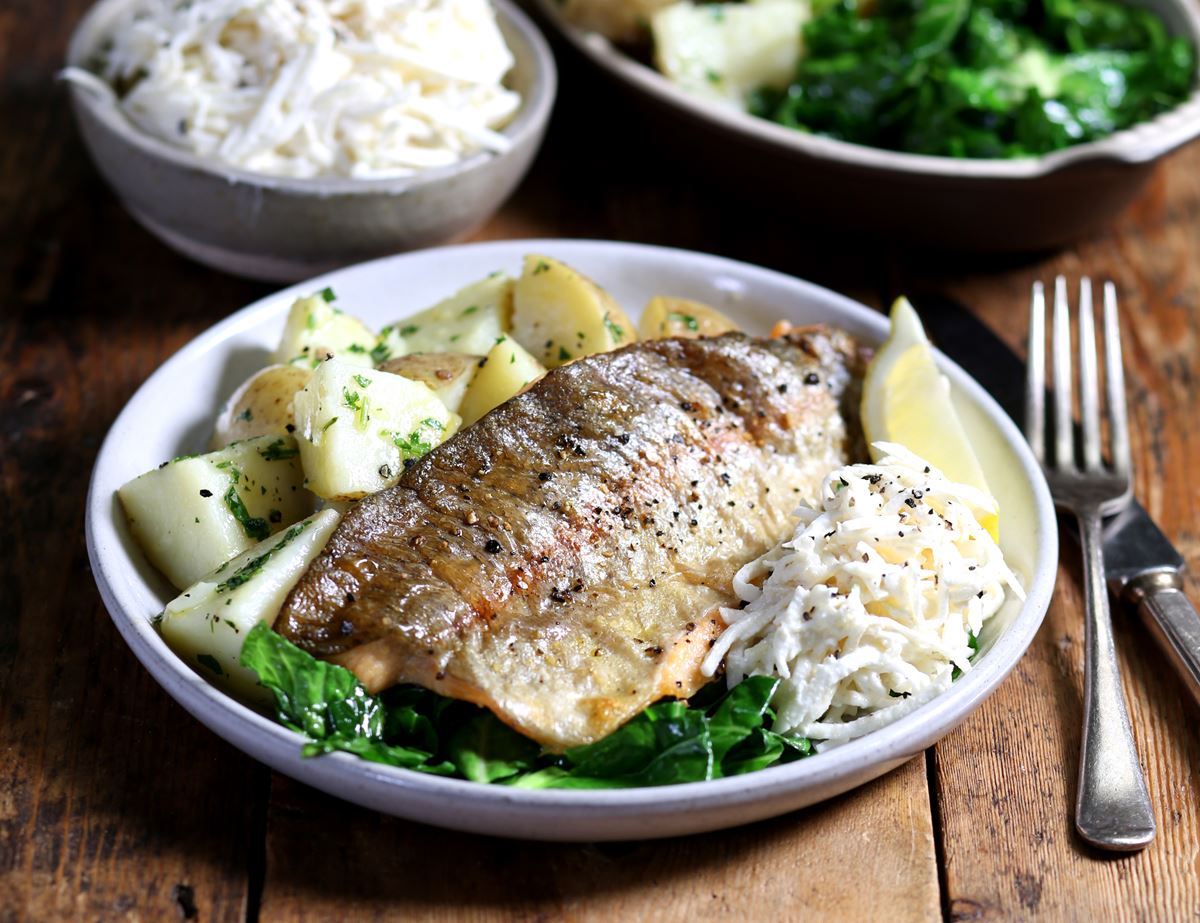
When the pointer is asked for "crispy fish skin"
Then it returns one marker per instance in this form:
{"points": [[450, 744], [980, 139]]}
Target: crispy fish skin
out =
{"points": [[561, 562]]}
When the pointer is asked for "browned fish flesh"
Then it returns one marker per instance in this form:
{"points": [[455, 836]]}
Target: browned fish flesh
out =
{"points": [[563, 560]]}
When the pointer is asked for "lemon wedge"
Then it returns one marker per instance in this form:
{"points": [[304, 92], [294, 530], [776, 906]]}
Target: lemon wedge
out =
{"points": [[907, 400]]}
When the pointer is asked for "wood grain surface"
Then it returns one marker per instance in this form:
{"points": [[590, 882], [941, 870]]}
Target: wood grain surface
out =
{"points": [[116, 805], [766, 870], [1007, 778]]}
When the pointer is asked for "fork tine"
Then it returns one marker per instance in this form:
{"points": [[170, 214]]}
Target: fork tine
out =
{"points": [[1089, 386], [1060, 336], [1035, 374], [1115, 373]]}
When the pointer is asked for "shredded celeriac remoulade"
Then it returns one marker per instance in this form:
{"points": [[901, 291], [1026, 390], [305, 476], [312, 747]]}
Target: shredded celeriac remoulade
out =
{"points": [[874, 603], [302, 88]]}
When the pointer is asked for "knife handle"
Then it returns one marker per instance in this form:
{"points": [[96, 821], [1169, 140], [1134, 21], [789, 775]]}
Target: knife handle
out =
{"points": [[1173, 621]]}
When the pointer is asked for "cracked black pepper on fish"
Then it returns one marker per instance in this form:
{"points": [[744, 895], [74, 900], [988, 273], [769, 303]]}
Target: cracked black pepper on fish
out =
{"points": [[568, 604]]}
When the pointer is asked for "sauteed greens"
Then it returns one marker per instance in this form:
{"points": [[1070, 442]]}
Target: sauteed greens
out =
{"points": [[980, 78], [717, 733]]}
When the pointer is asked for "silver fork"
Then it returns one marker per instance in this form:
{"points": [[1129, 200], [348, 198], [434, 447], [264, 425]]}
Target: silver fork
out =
{"points": [[1112, 809]]}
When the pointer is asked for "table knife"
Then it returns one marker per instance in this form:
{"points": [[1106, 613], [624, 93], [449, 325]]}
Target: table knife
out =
{"points": [[1143, 567]]}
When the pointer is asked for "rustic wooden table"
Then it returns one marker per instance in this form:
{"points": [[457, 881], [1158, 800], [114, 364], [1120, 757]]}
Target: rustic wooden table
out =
{"points": [[115, 804]]}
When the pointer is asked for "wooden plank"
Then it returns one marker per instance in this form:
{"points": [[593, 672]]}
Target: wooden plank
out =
{"points": [[1006, 780], [113, 802], [1007, 824], [868, 855]]}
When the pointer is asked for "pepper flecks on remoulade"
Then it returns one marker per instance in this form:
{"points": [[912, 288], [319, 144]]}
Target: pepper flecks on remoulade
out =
{"points": [[562, 561]]}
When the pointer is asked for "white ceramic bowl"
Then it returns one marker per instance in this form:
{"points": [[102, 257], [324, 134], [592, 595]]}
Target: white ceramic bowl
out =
{"points": [[284, 229], [173, 412]]}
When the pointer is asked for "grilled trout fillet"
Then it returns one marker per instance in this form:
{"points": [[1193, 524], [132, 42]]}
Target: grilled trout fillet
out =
{"points": [[562, 561]]}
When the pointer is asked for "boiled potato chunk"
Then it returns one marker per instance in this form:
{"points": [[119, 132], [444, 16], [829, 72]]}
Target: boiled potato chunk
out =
{"points": [[195, 512], [446, 374], [560, 314], [724, 52], [389, 344], [680, 317], [317, 329], [262, 406], [506, 370], [207, 623], [469, 321], [356, 428]]}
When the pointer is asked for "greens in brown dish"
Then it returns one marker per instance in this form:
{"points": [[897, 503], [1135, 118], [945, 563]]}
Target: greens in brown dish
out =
{"points": [[980, 78]]}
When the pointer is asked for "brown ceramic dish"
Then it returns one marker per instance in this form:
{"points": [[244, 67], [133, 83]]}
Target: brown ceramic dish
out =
{"points": [[285, 229], [978, 205]]}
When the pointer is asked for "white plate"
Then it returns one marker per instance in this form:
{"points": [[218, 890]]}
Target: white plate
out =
{"points": [[173, 411]]}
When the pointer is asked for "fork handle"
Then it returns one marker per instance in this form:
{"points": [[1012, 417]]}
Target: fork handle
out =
{"points": [[1172, 620], [1112, 809]]}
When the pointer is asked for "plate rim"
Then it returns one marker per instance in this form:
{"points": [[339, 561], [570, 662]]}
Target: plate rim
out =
{"points": [[348, 777]]}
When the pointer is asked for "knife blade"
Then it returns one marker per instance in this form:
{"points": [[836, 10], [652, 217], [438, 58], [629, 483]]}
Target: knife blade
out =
{"points": [[1144, 568], [1134, 546]]}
